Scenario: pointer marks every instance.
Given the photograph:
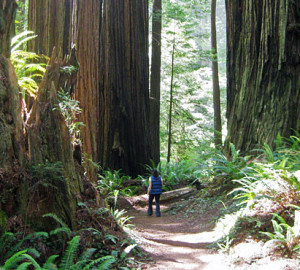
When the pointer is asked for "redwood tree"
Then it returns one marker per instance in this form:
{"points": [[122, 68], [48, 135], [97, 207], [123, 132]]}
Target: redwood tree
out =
{"points": [[112, 48], [47, 138], [50, 20], [86, 30], [155, 79], [124, 94], [263, 63]]}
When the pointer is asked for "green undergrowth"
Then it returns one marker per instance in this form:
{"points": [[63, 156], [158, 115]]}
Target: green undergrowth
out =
{"points": [[95, 247], [267, 190]]}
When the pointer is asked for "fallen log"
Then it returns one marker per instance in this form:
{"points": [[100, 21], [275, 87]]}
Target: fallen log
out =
{"points": [[168, 196]]}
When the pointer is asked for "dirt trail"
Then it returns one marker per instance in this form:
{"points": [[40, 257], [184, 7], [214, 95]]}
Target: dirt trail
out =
{"points": [[179, 239], [174, 240]]}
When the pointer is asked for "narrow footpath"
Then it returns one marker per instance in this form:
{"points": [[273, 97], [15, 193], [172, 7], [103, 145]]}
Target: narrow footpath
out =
{"points": [[175, 240], [181, 238]]}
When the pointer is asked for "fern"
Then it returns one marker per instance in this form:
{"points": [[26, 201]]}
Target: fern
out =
{"points": [[23, 266], [49, 263], [33, 261], [6, 242], [269, 153], [69, 256], [21, 39], [64, 227], [17, 247], [84, 258], [29, 66], [12, 262], [102, 263], [87, 254]]}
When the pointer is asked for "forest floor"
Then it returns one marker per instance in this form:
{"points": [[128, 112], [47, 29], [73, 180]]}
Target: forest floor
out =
{"points": [[185, 234]]}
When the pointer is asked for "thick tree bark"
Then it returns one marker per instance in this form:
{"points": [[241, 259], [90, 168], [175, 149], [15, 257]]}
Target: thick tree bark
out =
{"points": [[155, 79], [215, 76], [51, 21], [49, 140], [11, 124], [124, 94], [87, 18], [7, 26], [263, 65], [12, 147]]}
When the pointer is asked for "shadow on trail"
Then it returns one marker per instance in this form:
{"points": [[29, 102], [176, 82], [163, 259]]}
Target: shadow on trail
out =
{"points": [[180, 243]]}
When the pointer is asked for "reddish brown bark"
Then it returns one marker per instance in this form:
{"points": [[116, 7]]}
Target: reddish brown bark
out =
{"points": [[86, 36], [124, 94], [51, 21]]}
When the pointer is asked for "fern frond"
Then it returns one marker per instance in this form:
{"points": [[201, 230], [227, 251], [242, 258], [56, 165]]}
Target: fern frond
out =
{"points": [[70, 253], [87, 254], [105, 263], [61, 230], [56, 218], [20, 39], [64, 228], [49, 263], [23, 266], [11, 263], [33, 261], [83, 259]]}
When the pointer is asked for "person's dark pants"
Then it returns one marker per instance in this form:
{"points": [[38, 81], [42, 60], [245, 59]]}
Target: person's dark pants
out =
{"points": [[151, 197]]}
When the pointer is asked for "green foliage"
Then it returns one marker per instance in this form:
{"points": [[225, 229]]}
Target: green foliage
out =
{"points": [[225, 246], [235, 167], [21, 16], [9, 243], [29, 66], [49, 264], [218, 170], [284, 235], [247, 191], [173, 173], [16, 261], [111, 181], [48, 170], [63, 230], [192, 118], [121, 218], [70, 109], [48, 174], [261, 186], [123, 258], [69, 261]]}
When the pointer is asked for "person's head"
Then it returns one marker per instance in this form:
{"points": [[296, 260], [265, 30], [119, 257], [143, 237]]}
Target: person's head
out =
{"points": [[155, 173]]}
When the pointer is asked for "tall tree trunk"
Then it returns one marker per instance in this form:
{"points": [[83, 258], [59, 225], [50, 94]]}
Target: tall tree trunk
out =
{"points": [[171, 104], [215, 75], [11, 124], [50, 20], [155, 79], [87, 19], [7, 26], [124, 95], [263, 63], [49, 140]]}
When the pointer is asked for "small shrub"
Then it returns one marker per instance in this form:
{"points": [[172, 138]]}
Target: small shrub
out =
{"points": [[111, 181]]}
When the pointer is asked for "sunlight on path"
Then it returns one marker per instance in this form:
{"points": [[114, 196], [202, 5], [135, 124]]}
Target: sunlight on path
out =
{"points": [[171, 245]]}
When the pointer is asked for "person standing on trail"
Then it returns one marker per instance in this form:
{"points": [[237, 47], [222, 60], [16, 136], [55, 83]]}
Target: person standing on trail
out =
{"points": [[154, 191]]}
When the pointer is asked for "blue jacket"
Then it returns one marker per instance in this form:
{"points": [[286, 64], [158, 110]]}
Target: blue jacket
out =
{"points": [[156, 187]]}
